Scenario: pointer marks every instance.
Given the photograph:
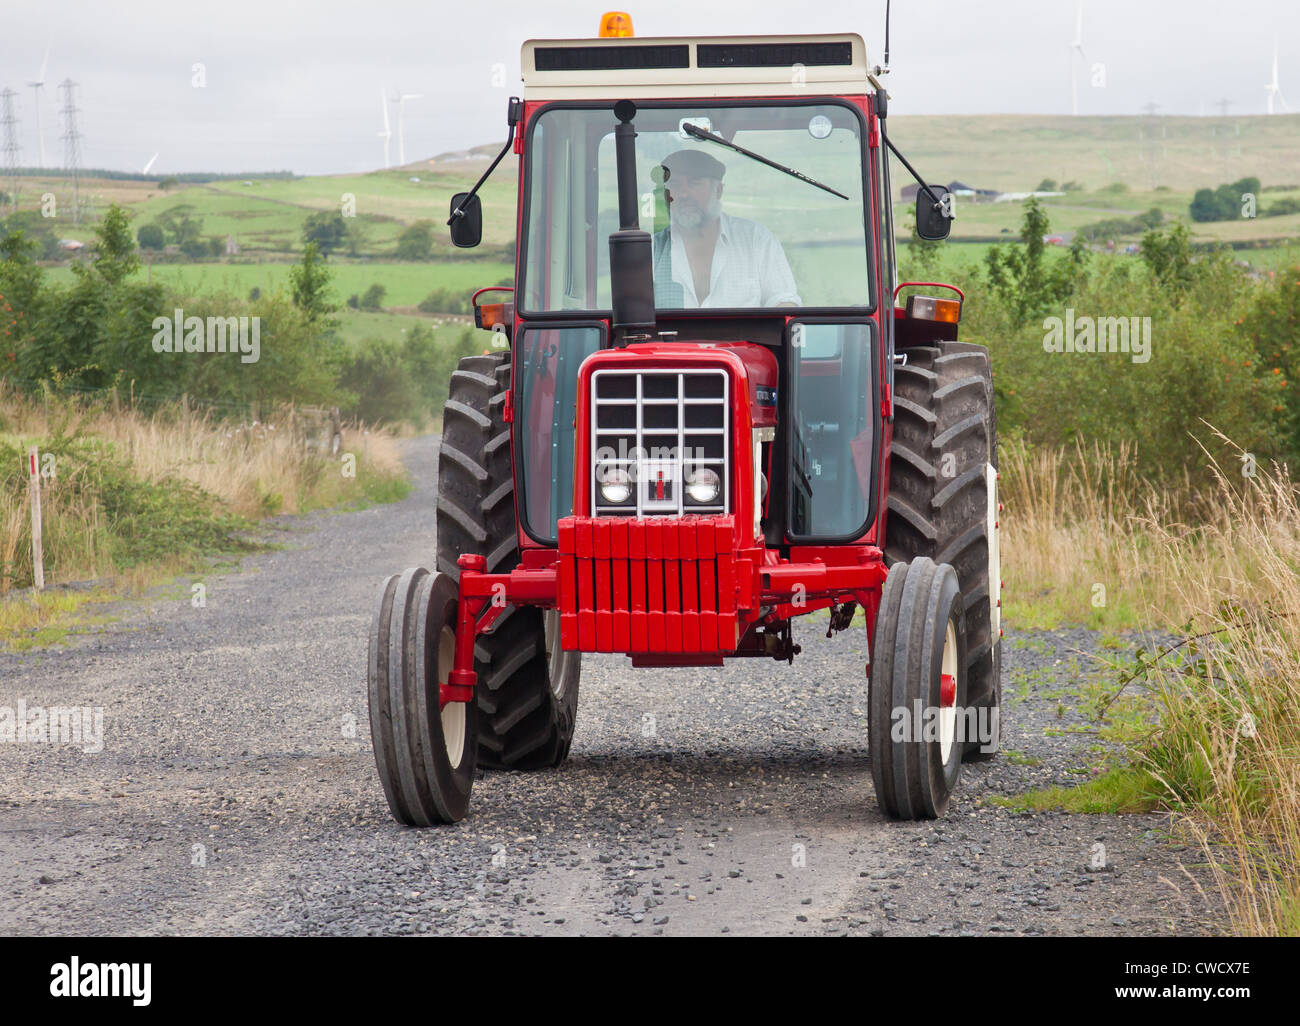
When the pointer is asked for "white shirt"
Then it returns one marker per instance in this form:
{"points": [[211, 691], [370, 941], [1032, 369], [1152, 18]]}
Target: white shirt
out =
{"points": [[749, 269]]}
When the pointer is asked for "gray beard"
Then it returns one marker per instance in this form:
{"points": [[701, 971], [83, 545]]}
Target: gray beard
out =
{"points": [[692, 219]]}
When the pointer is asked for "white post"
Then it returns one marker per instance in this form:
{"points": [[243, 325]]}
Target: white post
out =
{"points": [[34, 482]]}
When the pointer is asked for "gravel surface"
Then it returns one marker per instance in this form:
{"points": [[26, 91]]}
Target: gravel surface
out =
{"points": [[236, 791]]}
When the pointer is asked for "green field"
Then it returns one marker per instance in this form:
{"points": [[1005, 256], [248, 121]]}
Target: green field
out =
{"points": [[407, 283], [1126, 165]]}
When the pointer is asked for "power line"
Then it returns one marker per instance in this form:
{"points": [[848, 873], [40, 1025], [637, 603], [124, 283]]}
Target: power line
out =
{"points": [[11, 145], [71, 145]]}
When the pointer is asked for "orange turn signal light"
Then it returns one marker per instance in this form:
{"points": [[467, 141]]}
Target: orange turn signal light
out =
{"points": [[490, 316], [928, 308], [616, 25]]}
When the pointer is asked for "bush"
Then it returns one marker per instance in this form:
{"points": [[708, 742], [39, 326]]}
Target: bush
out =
{"points": [[446, 301], [1201, 365], [1272, 327], [151, 237], [1282, 207], [373, 298], [1223, 203], [1119, 226], [416, 242], [404, 381]]}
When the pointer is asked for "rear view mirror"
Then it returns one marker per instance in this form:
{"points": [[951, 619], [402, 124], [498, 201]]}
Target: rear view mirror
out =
{"points": [[933, 225], [466, 220]]}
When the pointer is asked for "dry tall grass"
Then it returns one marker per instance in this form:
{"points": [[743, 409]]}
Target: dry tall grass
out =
{"points": [[1224, 563], [250, 470], [241, 464]]}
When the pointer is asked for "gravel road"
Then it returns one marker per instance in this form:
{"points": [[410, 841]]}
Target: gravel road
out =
{"points": [[236, 791]]}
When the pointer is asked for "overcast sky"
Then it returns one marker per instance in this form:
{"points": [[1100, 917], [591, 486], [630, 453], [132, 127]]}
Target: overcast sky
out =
{"points": [[296, 85]]}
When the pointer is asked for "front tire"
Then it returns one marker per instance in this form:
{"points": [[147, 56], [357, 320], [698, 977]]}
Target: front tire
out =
{"points": [[917, 691], [424, 751]]}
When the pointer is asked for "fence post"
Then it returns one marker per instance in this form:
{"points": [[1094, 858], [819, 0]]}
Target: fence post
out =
{"points": [[34, 487]]}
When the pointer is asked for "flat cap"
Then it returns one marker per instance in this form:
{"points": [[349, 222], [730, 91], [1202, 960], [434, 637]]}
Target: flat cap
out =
{"points": [[693, 164]]}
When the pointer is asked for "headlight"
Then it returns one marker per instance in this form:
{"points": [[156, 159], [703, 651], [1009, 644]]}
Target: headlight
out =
{"points": [[703, 486], [616, 487]]}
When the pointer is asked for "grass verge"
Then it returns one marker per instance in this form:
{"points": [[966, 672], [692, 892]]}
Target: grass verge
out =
{"points": [[129, 500]]}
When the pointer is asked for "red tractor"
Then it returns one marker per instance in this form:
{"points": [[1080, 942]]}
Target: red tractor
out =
{"points": [[692, 433]]}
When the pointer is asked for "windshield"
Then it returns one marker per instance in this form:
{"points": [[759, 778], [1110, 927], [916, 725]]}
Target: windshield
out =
{"points": [[730, 229]]}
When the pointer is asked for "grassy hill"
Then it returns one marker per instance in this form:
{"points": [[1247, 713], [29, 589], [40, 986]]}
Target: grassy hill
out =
{"points": [[1014, 152], [1126, 165]]}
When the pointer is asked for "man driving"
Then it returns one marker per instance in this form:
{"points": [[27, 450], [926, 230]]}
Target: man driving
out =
{"points": [[706, 258]]}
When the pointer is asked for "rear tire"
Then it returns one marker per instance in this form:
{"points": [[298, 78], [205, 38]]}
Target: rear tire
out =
{"points": [[527, 692], [943, 501], [917, 692]]}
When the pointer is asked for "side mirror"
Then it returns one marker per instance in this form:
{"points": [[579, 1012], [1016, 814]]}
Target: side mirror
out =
{"points": [[466, 220], [933, 225]]}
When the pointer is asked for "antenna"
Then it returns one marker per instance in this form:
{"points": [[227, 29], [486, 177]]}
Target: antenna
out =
{"points": [[882, 69], [11, 145], [72, 145], [886, 35]]}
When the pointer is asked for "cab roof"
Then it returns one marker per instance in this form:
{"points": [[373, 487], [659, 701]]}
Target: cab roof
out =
{"points": [[694, 66]]}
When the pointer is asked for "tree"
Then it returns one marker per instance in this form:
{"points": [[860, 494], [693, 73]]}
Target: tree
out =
{"points": [[115, 257], [1223, 203], [151, 237], [373, 297], [177, 223], [416, 243], [358, 235], [326, 229], [309, 284], [1207, 206], [1021, 276], [1046, 185], [1168, 255]]}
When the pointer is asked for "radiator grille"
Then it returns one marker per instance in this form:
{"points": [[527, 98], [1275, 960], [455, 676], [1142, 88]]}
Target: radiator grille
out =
{"points": [[654, 430]]}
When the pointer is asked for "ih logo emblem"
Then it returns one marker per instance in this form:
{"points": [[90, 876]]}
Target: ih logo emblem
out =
{"points": [[658, 479]]}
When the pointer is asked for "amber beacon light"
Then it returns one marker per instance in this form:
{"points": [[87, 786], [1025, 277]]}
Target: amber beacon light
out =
{"points": [[616, 24]]}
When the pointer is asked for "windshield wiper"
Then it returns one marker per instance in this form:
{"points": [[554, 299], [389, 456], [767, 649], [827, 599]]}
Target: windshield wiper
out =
{"points": [[699, 133]]}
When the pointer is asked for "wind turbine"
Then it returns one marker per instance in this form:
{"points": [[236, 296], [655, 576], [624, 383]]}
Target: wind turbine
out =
{"points": [[401, 132], [1076, 47], [145, 170], [387, 133], [1273, 89], [39, 84]]}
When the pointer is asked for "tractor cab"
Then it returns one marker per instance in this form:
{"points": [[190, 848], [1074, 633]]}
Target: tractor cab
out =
{"points": [[760, 225], [706, 418]]}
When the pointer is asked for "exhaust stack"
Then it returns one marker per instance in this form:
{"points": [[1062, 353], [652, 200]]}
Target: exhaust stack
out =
{"points": [[630, 250]]}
